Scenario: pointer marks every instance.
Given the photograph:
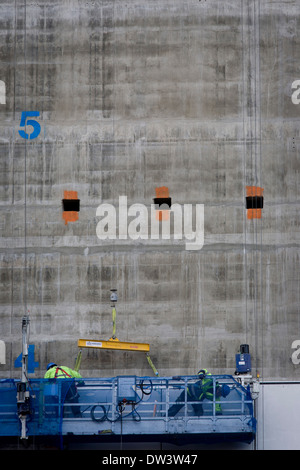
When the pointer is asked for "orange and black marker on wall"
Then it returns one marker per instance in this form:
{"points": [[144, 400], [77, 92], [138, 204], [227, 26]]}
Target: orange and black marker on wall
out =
{"points": [[71, 206], [162, 199], [254, 202]]}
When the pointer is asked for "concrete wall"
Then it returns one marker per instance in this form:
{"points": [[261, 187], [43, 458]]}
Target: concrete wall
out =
{"points": [[134, 95]]}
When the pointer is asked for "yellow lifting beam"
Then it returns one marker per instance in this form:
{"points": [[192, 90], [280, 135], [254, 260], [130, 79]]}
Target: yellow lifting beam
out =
{"points": [[113, 343]]}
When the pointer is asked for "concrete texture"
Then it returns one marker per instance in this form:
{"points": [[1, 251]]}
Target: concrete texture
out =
{"points": [[133, 95]]}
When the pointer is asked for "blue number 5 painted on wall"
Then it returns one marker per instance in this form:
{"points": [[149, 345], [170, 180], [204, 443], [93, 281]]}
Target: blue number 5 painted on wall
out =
{"points": [[31, 364], [31, 122]]}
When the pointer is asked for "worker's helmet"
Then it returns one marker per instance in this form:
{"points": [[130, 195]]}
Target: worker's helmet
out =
{"points": [[202, 373], [225, 390], [51, 364]]}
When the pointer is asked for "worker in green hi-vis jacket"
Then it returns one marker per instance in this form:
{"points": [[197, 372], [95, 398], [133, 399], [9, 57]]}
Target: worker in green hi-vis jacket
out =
{"points": [[69, 390], [199, 391]]}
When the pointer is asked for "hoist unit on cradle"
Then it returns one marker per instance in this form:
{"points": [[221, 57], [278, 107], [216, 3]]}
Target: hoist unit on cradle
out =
{"points": [[243, 360], [23, 394]]}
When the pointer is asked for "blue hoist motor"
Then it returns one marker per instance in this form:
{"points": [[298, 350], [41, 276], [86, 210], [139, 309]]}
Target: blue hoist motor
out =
{"points": [[243, 360]]}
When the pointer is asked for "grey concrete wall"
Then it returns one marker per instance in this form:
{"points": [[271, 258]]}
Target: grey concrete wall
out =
{"points": [[133, 95]]}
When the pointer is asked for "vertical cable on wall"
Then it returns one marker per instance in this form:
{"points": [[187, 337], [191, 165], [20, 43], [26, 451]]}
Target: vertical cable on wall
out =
{"points": [[250, 19], [256, 290], [261, 237], [261, 220], [25, 166], [258, 180], [244, 158]]}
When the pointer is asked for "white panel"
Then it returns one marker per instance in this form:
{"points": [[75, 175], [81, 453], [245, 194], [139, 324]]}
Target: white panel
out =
{"points": [[2, 92], [278, 417], [2, 352]]}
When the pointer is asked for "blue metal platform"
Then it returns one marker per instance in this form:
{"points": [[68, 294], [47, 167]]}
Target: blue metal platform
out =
{"points": [[129, 406]]}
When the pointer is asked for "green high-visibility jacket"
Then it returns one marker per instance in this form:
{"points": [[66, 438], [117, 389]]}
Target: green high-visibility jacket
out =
{"points": [[207, 389], [61, 372], [204, 388]]}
